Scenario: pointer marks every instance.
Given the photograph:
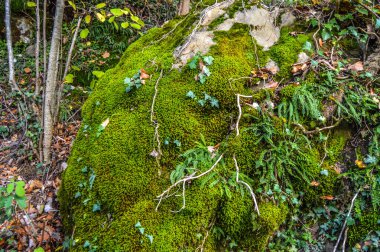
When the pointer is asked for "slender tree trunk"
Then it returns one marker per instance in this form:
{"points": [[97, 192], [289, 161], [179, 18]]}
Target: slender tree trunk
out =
{"points": [[44, 40], [184, 7], [12, 80], [51, 81], [37, 52]]}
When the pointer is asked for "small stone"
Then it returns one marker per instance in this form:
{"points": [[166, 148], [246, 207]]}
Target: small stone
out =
{"points": [[302, 58]]}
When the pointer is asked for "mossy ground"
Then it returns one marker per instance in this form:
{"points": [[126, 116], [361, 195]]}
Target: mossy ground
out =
{"points": [[127, 178]]}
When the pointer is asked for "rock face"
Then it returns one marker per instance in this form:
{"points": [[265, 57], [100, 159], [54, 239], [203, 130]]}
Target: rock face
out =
{"points": [[110, 187]]}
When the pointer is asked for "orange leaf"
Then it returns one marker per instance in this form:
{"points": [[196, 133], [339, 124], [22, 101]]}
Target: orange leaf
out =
{"points": [[105, 55], [320, 41], [327, 197], [27, 70], [314, 183], [360, 164], [143, 74]]}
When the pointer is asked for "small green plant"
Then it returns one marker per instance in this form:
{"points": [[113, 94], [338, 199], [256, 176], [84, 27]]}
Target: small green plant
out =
{"points": [[201, 62], [141, 229], [11, 197], [136, 81], [90, 245], [208, 99]]}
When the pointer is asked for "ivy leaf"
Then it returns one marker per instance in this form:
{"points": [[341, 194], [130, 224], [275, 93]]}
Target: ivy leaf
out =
{"points": [[96, 207], [208, 60], [77, 195], [325, 35], [214, 103], [307, 46], [202, 78], [150, 238], [128, 89], [370, 160], [202, 102], [325, 172], [86, 244], [177, 143], [138, 224], [377, 25], [190, 94], [193, 63], [142, 230], [206, 71]]}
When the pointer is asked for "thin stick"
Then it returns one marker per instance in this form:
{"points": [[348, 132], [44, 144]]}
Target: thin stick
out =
{"points": [[248, 186], [155, 95], [37, 51], [186, 179], [317, 130], [240, 111], [345, 221], [44, 40]]}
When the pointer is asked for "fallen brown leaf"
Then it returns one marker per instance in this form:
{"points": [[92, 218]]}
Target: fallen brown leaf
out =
{"points": [[143, 74], [27, 70], [327, 197], [358, 66], [105, 55], [314, 183]]}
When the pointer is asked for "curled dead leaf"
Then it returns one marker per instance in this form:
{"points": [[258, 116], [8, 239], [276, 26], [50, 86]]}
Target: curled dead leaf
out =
{"points": [[143, 74], [327, 197], [271, 84], [358, 66], [314, 183], [105, 55], [27, 70]]}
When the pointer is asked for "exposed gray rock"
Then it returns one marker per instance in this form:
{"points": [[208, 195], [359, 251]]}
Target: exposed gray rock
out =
{"points": [[302, 58]]}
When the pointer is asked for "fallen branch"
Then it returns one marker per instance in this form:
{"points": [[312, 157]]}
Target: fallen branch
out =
{"points": [[345, 221], [248, 186], [183, 181], [317, 130], [240, 111]]}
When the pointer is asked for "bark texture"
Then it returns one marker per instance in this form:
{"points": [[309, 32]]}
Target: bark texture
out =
{"points": [[50, 98], [7, 21]]}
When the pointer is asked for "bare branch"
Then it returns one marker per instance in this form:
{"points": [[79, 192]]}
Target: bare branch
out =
{"points": [[187, 178], [240, 111], [317, 130], [248, 186]]}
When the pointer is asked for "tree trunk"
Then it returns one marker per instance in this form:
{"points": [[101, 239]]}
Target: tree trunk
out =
{"points": [[184, 7], [51, 81], [12, 80], [37, 52]]}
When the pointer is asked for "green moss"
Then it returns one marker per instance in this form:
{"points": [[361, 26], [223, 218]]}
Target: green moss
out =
{"points": [[128, 179], [285, 52], [368, 223], [288, 91]]}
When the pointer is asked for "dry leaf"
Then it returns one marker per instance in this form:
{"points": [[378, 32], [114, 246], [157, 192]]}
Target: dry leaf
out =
{"points": [[358, 66], [105, 55], [105, 123], [271, 85], [360, 164], [27, 70], [143, 74], [314, 183], [320, 42], [327, 197]]}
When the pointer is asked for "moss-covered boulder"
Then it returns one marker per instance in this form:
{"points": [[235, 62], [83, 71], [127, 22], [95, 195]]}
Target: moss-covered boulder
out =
{"points": [[136, 127]]}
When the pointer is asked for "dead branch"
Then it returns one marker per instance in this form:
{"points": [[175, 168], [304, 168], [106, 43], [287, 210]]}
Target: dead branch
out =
{"points": [[240, 111], [345, 221], [317, 130], [186, 179], [248, 186]]}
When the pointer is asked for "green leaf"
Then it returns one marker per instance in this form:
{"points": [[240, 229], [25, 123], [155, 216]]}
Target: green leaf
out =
{"points": [[138, 224], [116, 26], [39, 249], [208, 60], [96, 207], [362, 11], [137, 20], [125, 25], [73, 5], [75, 68], [136, 26], [21, 202], [193, 63], [150, 237], [10, 187], [190, 94], [98, 74], [116, 12], [100, 17], [206, 71], [31, 4], [69, 78], [202, 102], [100, 5], [142, 230], [86, 244], [202, 78], [377, 25], [111, 19], [77, 195], [20, 191], [87, 19], [307, 46], [325, 35], [84, 33]]}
